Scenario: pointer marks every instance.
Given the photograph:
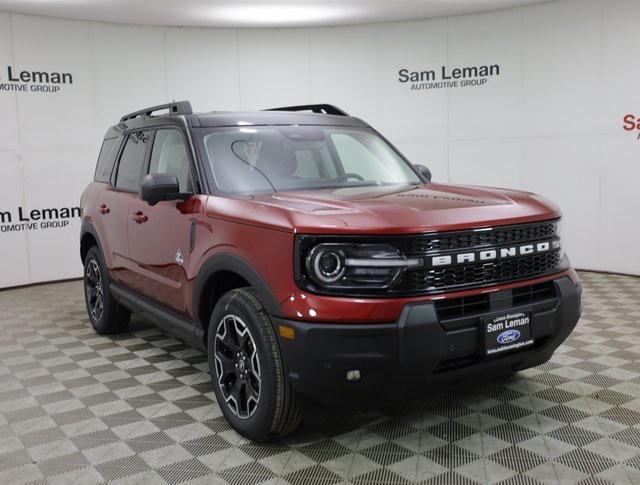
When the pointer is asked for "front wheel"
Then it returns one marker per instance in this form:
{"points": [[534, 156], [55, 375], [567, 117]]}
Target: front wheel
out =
{"points": [[246, 368]]}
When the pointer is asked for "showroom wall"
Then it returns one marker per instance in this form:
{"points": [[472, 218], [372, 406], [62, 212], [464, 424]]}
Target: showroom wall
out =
{"points": [[545, 114]]}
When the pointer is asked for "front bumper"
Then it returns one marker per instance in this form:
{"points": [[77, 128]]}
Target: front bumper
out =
{"points": [[430, 342]]}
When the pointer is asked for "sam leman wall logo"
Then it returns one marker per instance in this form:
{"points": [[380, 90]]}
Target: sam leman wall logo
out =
{"points": [[457, 77], [631, 123], [23, 219], [25, 81]]}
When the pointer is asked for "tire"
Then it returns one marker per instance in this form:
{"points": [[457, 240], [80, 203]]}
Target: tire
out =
{"points": [[251, 388], [106, 315]]}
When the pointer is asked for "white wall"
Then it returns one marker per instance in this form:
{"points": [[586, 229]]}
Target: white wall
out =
{"points": [[550, 123]]}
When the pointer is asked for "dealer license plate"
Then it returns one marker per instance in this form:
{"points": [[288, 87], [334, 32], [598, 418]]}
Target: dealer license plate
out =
{"points": [[507, 332]]}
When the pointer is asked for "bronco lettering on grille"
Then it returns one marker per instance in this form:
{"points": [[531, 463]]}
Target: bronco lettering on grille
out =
{"points": [[491, 254]]}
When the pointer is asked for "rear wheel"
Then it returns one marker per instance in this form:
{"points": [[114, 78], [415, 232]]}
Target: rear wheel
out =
{"points": [[246, 368], [106, 315]]}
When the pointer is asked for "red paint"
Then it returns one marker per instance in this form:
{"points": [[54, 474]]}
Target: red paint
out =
{"points": [[140, 242]]}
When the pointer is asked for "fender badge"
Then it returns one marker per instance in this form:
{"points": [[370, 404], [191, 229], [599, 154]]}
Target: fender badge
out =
{"points": [[179, 258]]}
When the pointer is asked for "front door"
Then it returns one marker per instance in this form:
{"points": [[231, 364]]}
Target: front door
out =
{"points": [[113, 206], [111, 222], [161, 236]]}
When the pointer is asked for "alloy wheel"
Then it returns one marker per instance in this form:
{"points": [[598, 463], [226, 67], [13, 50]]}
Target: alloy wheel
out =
{"points": [[237, 366], [95, 290]]}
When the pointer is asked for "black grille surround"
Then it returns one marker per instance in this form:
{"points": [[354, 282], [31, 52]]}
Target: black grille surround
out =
{"points": [[430, 279]]}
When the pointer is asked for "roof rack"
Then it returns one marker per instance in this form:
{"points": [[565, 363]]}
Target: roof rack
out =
{"points": [[175, 108], [327, 109]]}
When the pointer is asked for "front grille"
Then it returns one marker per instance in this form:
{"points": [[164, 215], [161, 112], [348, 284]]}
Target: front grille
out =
{"points": [[482, 238], [463, 306], [480, 274], [470, 307], [528, 295]]}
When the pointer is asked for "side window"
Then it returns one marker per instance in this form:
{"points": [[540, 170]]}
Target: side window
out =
{"points": [[132, 161], [105, 160], [169, 155]]}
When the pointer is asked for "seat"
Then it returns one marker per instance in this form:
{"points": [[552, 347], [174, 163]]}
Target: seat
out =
{"points": [[174, 160], [276, 161]]}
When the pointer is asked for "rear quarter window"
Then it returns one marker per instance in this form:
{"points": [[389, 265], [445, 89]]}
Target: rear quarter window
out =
{"points": [[106, 160]]}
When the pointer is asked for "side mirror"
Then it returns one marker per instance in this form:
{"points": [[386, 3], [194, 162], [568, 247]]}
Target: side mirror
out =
{"points": [[157, 187], [424, 172]]}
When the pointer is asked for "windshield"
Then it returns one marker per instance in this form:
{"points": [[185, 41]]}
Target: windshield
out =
{"points": [[279, 158]]}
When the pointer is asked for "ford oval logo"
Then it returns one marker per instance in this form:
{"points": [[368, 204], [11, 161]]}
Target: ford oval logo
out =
{"points": [[508, 336]]}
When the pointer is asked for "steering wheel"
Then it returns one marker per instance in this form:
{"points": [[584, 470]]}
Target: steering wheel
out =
{"points": [[347, 176]]}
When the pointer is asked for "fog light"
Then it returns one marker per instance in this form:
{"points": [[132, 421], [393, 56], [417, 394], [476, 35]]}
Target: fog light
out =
{"points": [[353, 375]]}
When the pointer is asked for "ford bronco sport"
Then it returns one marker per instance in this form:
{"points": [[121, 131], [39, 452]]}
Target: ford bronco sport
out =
{"points": [[313, 263]]}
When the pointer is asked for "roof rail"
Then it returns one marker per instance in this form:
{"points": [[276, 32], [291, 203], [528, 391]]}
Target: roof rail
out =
{"points": [[327, 109], [175, 108]]}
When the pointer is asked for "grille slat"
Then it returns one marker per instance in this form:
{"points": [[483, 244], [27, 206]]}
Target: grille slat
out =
{"points": [[475, 239]]}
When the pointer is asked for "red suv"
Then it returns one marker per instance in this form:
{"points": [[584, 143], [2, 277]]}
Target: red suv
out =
{"points": [[315, 264]]}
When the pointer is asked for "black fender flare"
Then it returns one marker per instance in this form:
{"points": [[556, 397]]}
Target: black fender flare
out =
{"points": [[235, 264], [86, 227]]}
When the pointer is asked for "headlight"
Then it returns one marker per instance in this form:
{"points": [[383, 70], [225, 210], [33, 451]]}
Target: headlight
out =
{"points": [[355, 266], [326, 264]]}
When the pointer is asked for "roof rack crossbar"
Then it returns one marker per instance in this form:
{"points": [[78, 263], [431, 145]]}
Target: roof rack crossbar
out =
{"points": [[327, 109], [175, 108]]}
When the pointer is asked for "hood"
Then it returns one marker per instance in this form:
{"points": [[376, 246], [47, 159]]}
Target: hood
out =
{"points": [[394, 210]]}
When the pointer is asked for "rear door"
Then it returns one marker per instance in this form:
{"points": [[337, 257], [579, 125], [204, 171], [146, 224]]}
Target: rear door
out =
{"points": [[113, 205], [161, 237]]}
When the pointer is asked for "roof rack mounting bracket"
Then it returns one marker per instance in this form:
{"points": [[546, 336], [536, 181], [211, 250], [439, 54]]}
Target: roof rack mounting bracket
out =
{"points": [[175, 108], [327, 109]]}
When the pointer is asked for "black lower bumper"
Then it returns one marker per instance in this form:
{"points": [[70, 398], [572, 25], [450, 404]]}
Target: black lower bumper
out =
{"points": [[430, 342]]}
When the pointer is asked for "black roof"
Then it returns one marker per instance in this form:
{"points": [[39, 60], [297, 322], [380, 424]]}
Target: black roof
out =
{"points": [[173, 113], [239, 118]]}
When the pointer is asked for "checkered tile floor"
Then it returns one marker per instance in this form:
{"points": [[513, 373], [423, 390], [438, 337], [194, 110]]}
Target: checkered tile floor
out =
{"points": [[138, 408]]}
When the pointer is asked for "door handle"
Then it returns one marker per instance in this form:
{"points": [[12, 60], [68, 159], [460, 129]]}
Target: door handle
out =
{"points": [[104, 209], [139, 217]]}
